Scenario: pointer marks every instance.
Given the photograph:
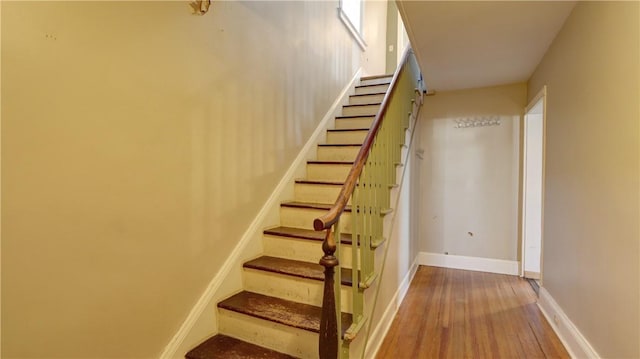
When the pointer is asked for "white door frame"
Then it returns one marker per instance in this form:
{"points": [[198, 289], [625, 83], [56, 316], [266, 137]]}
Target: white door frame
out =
{"points": [[542, 94]]}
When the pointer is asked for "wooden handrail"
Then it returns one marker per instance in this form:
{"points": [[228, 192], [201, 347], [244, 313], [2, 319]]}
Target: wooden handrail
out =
{"points": [[328, 219]]}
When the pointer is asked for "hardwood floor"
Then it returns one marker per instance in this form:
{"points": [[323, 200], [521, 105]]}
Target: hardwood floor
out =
{"points": [[451, 313]]}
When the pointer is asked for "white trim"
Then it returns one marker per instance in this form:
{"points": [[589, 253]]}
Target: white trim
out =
{"points": [[255, 228], [380, 332], [542, 94], [352, 29], [525, 180], [478, 264], [575, 343]]}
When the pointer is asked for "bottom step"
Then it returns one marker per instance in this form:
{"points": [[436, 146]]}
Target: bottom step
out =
{"points": [[222, 346], [278, 324]]}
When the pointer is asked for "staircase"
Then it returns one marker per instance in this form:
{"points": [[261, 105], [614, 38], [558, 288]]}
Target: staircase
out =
{"points": [[278, 313]]}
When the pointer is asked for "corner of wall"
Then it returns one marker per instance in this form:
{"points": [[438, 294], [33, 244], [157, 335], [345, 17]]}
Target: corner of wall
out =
{"points": [[575, 343]]}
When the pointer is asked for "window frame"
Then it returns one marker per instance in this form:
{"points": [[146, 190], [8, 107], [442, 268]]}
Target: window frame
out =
{"points": [[356, 33]]}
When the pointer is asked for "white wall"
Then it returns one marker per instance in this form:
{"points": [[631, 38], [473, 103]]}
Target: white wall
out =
{"points": [[138, 143], [591, 258], [469, 176]]}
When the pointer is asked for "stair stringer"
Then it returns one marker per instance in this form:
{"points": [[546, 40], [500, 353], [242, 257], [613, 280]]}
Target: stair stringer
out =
{"points": [[202, 322]]}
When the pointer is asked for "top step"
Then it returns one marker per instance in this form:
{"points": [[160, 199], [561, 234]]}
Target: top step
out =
{"points": [[376, 80]]}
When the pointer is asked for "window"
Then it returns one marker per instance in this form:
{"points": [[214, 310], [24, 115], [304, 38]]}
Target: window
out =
{"points": [[350, 12]]}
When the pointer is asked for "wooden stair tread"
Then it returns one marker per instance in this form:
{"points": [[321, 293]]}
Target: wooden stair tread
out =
{"points": [[369, 85], [369, 94], [286, 312], [347, 129], [364, 104], [310, 205], [374, 77], [339, 144], [296, 268], [225, 347], [310, 234], [353, 116], [316, 162], [329, 183], [324, 206]]}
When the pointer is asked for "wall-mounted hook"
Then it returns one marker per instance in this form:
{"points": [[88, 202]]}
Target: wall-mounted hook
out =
{"points": [[201, 7]]}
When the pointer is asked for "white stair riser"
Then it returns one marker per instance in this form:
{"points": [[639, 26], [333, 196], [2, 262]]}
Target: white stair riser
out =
{"points": [[380, 80], [371, 89], [293, 341], [356, 122], [291, 288], [302, 249], [337, 153], [346, 136], [303, 218], [316, 193], [327, 172], [360, 110], [373, 98]]}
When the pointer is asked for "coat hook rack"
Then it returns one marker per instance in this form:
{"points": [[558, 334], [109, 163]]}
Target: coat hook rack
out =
{"points": [[483, 121]]}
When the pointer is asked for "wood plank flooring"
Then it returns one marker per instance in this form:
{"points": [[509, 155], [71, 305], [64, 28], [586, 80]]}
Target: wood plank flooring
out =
{"points": [[450, 313]]}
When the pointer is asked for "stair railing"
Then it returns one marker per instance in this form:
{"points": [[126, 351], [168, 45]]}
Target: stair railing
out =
{"points": [[366, 195]]}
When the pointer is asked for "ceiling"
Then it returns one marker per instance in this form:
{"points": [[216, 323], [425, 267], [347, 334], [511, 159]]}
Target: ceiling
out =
{"points": [[470, 44]]}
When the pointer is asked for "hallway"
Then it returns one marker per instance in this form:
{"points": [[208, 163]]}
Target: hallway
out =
{"points": [[450, 313]]}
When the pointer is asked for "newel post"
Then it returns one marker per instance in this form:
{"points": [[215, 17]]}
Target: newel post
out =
{"points": [[328, 345]]}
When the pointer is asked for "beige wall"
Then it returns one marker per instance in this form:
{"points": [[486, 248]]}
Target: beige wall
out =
{"points": [[392, 37], [138, 142], [469, 176], [374, 32], [591, 238]]}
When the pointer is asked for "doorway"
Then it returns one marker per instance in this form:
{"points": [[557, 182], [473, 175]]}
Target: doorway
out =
{"points": [[532, 187]]}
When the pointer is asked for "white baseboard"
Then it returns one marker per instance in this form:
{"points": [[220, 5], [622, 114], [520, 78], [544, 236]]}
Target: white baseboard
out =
{"points": [[478, 264], [575, 343], [380, 332], [206, 303]]}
